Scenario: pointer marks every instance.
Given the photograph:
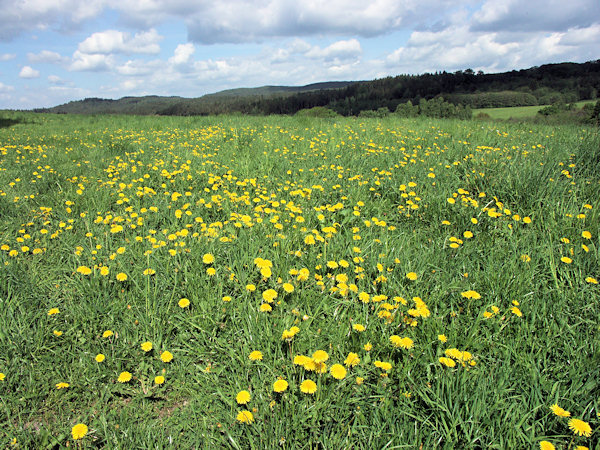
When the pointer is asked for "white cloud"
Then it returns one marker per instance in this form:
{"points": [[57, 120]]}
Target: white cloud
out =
{"points": [[46, 56], [140, 68], [18, 16], [582, 36], [210, 21], [29, 72], [243, 21], [183, 54], [536, 15], [94, 62], [54, 79], [113, 41], [458, 47], [6, 88], [7, 56], [340, 50]]}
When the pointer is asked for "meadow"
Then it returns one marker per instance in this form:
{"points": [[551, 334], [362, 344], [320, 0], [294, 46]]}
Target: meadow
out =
{"points": [[518, 112], [281, 282]]}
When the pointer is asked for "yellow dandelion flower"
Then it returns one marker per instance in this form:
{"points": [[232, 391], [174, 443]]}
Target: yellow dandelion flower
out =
{"points": [[516, 311], [352, 359], [301, 360], [280, 385], [368, 346], [558, 411], [586, 235], [149, 272], [243, 397], [288, 287], [2, 376], [265, 307], [57, 333], [121, 276], [146, 346], [159, 379], [208, 258], [245, 417], [166, 356], [104, 270], [250, 287], [107, 334], [358, 327], [211, 271], [448, 362], [442, 338], [124, 377], [383, 365], [184, 303], [308, 387], [591, 280], [269, 295], [471, 294], [84, 270], [100, 357], [454, 353], [338, 371], [359, 380], [320, 356], [255, 356], [404, 342], [545, 445], [412, 276], [79, 431], [566, 260], [62, 385], [53, 311], [580, 428]]}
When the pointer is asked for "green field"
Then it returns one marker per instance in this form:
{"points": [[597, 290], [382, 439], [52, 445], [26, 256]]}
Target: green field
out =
{"points": [[279, 282], [517, 112]]}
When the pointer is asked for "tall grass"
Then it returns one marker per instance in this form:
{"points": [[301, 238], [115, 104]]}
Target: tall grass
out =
{"points": [[482, 238]]}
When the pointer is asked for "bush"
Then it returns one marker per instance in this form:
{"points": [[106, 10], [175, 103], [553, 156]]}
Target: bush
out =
{"points": [[377, 113], [317, 111]]}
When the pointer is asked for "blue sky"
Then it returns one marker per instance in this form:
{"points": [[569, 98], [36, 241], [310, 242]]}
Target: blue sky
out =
{"points": [[54, 51]]}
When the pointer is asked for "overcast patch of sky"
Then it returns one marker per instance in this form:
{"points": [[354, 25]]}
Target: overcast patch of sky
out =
{"points": [[53, 52]]}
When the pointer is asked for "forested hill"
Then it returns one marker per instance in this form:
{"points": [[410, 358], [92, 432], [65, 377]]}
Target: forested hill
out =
{"points": [[547, 84]]}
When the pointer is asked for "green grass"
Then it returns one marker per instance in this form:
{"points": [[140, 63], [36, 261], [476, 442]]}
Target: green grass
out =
{"points": [[481, 213], [517, 112]]}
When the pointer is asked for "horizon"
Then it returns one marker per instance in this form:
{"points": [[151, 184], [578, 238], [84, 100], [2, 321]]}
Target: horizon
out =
{"points": [[53, 54]]}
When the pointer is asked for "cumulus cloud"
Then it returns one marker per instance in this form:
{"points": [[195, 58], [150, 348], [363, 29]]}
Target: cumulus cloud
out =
{"points": [[6, 88], [183, 54], [340, 50], [113, 41], [232, 21], [55, 79], [28, 72], [459, 47], [46, 56], [91, 62], [243, 20], [536, 15], [18, 16]]}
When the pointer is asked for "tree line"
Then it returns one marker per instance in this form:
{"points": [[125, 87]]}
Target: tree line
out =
{"points": [[461, 90]]}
